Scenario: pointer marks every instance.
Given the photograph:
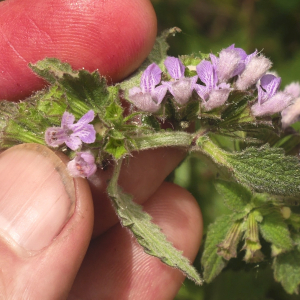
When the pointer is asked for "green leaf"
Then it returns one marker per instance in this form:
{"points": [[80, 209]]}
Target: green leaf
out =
{"points": [[274, 230], [51, 69], [211, 261], [148, 235], [267, 170], [263, 169], [236, 197], [287, 270], [84, 90]]}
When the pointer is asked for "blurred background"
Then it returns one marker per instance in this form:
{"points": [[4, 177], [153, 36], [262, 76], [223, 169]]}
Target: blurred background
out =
{"points": [[272, 26]]}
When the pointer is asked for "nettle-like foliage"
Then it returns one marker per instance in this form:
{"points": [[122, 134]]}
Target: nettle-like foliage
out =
{"points": [[231, 95]]}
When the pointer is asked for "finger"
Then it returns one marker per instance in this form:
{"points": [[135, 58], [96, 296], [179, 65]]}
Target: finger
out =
{"points": [[116, 267], [46, 220], [140, 176], [112, 36]]}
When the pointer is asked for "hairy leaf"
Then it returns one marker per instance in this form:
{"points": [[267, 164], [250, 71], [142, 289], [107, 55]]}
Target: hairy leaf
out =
{"points": [[275, 230], [267, 170], [263, 169], [287, 270], [211, 261], [148, 235], [235, 196]]}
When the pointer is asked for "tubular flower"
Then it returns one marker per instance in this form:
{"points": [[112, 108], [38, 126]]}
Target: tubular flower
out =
{"points": [[255, 67], [213, 95], [149, 96], [270, 101], [182, 88], [231, 62], [70, 133], [291, 114], [83, 165]]}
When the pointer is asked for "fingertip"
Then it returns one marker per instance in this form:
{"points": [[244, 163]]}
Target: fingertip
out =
{"points": [[113, 37]]}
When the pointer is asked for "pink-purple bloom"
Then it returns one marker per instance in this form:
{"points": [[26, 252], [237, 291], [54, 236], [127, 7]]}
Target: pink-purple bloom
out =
{"points": [[212, 94], [255, 67], [291, 114], [149, 96], [231, 62], [83, 165], [70, 133], [270, 101], [182, 87]]}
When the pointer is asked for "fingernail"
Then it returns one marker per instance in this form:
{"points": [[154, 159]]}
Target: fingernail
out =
{"points": [[37, 195]]}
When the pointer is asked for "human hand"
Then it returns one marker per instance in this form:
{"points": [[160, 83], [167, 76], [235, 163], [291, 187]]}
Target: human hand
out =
{"points": [[46, 217]]}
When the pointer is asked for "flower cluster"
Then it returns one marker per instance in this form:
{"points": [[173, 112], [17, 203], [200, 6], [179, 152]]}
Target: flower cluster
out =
{"points": [[232, 70], [73, 135]]}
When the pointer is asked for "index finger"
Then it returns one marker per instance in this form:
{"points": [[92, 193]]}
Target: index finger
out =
{"points": [[112, 36]]}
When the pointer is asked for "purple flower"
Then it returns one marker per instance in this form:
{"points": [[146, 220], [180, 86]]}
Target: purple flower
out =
{"points": [[182, 87], [291, 114], [293, 89], [231, 62], [83, 165], [256, 67], [213, 95], [270, 101], [70, 133], [149, 97], [268, 87]]}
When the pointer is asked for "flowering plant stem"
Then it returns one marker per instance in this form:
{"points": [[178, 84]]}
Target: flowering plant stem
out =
{"points": [[243, 125]]}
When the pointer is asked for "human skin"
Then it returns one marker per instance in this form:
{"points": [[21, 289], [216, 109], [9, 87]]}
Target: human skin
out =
{"points": [[92, 256]]}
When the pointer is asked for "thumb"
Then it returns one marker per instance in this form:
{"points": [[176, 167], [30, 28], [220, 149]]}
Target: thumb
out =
{"points": [[46, 220]]}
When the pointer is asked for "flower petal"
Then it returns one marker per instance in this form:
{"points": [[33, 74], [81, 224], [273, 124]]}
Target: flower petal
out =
{"points": [[202, 91], [216, 99], [73, 142], [159, 93], [145, 102], [87, 118], [291, 114], [274, 105], [175, 67], [293, 89], [230, 64], [207, 74], [182, 89], [150, 78], [67, 119], [255, 69], [55, 136], [83, 165], [86, 133]]}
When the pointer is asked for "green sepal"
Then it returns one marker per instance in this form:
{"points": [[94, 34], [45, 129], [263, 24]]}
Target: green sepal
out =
{"points": [[148, 235], [114, 113], [228, 247], [116, 147]]}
